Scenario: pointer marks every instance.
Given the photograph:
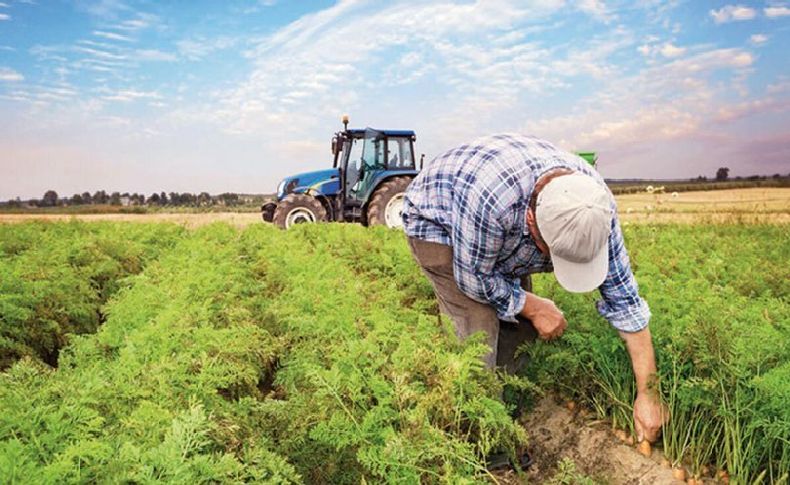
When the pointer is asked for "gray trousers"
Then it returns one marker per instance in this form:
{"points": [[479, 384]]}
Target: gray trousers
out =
{"points": [[468, 315]]}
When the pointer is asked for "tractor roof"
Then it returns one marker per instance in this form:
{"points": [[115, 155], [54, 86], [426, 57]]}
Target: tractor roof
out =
{"points": [[361, 131]]}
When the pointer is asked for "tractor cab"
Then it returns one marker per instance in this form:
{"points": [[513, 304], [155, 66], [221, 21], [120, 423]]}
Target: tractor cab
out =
{"points": [[365, 158]]}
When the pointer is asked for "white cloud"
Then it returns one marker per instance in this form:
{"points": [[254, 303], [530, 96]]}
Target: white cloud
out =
{"points": [[153, 55], [758, 39], [4, 16], [3, 5], [128, 95], [112, 36], [105, 9], [667, 49], [782, 85], [596, 9], [671, 51], [143, 21], [731, 13], [102, 54], [776, 11], [194, 49], [10, 75]]}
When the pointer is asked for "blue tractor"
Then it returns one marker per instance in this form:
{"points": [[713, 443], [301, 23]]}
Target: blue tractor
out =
{"points": [[366, 184]]}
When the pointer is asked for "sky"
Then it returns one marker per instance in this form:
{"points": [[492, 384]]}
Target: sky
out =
{"points": [[231, 96]]}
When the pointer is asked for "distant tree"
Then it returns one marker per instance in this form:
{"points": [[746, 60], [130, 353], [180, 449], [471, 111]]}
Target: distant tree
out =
{"points": [[175, 198], [76, 199], [229, 199], [14, 202], [776, 176], [100, 197], [722, 174], [50, 199], [115, 198], [86, 198], [163, 199], [153, 199], [204, 199]]}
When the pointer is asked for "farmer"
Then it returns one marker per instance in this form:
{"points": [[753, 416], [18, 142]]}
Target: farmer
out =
{"points": [[484, 216]]}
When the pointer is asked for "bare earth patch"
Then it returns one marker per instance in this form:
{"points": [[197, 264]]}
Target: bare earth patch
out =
{"points": [[556, 433]]}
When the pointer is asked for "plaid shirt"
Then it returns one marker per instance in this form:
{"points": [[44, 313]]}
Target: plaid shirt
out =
{"points": [[475, 197]]}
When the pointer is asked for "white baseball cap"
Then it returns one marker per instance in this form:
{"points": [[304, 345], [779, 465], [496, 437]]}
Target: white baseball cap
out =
{"points": [[574, 216]]}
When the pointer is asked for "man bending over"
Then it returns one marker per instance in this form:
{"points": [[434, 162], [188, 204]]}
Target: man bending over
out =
{"points": [[484, 216]]}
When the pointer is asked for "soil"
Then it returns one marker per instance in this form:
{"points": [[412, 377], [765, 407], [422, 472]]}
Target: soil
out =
{"points": [[556, 433]]}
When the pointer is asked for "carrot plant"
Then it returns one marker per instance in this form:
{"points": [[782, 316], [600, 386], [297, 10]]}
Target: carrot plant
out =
{"points": [[54, 278]]}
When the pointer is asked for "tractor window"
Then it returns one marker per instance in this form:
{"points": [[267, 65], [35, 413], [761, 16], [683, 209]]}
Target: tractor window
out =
{"points": [[354, 148], [399, 155], [373, 151]]}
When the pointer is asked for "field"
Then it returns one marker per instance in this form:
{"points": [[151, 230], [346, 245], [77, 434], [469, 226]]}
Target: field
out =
{"points": [[733, 205], [727, 205], [151, 352]]}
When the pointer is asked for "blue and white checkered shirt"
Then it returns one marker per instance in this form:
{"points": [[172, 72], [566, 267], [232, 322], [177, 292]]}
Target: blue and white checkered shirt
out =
{"points": [[475, 198]]}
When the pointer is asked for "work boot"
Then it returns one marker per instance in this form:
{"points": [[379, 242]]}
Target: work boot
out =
{"points": [[502, 461]]}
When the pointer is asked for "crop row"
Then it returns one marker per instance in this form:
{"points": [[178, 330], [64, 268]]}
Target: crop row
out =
{"points": [[54, 279]]}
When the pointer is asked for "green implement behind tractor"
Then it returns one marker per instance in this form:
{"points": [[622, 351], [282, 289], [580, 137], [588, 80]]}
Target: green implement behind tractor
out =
{"points": [[591, 157]]}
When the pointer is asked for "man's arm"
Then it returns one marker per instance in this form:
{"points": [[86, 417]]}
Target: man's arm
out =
{"points": [[628, 312], [648, 412]]}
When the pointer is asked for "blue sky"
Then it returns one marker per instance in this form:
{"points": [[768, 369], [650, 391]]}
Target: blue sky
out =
{"points": [[233, 95]]}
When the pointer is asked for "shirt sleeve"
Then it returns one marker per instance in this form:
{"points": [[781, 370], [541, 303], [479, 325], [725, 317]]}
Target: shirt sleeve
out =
{"points": [[621, 304], [478, 236]]}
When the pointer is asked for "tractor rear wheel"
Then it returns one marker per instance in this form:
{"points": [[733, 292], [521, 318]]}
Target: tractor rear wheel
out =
{"points": [[298, 209], [386, 205]]}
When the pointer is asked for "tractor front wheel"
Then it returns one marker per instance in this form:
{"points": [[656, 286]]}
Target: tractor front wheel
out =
{"points": [[386, 205], [298, 209]]}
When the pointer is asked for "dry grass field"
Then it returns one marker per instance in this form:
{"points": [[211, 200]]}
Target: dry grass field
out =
{"points": [[753, 205], [734, 205]]}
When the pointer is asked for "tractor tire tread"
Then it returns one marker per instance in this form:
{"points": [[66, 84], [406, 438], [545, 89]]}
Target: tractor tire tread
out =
{"points": [[382, 195], [293, 201]]}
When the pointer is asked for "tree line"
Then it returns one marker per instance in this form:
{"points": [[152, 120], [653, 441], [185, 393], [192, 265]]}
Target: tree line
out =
{"points": [[101, 197]]}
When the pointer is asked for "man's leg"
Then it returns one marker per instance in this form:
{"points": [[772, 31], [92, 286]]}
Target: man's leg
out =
{"points": [[512, 335], [469, 316]]}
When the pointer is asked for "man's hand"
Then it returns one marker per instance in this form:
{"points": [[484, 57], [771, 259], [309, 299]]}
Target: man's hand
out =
{"points": [[649, 415], [545, 316]]}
